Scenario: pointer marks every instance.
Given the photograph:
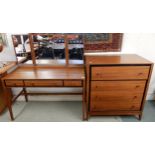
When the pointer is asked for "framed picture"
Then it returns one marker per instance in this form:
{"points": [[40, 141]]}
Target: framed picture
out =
{"points": [[106, 42]]}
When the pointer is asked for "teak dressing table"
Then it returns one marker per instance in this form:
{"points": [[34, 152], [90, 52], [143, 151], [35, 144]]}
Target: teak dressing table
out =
{"points": [[43, 77]]}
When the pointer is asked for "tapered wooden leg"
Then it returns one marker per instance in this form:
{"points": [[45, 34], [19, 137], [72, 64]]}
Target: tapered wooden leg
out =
{"points": [[25, 94], [85, 111], [8, 102], [140, 117], [84, 104], [85, 115], [11, 113]]}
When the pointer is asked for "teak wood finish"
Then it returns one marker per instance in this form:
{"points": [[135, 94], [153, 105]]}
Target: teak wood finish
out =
{"points": [[3, 72], [116, 84], [35, 76], [2, 99]]}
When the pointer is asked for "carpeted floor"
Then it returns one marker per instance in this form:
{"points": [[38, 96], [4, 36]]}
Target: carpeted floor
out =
{"points": [[67, 112]]}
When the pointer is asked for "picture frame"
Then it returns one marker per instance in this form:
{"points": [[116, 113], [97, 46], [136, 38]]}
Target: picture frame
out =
{"points": [[103, 42]]}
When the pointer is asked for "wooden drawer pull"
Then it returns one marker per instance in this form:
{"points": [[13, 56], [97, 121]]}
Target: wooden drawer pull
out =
{"points": [[99, 74], [134, 97]]}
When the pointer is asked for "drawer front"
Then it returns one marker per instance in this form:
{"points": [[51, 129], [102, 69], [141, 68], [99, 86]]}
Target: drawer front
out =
{"points": [[40, 83], [14, 83], [113, 100], [120, 72], [75, 83], [136, 86]]}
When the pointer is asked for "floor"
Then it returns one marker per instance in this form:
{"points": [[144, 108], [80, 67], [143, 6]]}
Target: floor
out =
{"points": [[67, 112]]}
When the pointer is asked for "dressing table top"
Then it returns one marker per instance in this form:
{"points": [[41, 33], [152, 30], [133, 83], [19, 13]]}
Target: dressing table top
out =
{"points": [[68, 73]]}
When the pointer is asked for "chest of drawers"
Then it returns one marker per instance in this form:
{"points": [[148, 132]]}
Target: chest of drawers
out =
{"points": [[116, 84]]}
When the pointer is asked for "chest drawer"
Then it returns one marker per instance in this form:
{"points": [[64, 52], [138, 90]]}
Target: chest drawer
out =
{"points": [[120, 72], [73, 83], [14, 83], [101, 86], [41, 83], [114, 100]]}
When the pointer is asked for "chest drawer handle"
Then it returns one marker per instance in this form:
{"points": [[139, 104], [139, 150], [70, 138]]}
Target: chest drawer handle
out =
{"points": [[134, 97], [137, 86], [132, 107], [140, 73], [99, 74], [96, 97]]}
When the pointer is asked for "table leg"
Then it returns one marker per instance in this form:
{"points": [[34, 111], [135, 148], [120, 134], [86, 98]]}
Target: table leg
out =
{"points": [[25, 94], [84, 104], [140, 117], [7, 96]]}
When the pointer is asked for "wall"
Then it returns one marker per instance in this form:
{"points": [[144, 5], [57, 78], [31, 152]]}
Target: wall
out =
{"points": [[142, 44]]}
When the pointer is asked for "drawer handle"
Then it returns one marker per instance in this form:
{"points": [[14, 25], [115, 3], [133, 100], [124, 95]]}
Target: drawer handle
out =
{"points": [[99, 74], [134, 97], [97, 98], [137, 86], [140, 73]]}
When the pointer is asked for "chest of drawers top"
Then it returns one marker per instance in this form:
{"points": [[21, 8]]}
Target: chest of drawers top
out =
{"points": [[116, 59]]}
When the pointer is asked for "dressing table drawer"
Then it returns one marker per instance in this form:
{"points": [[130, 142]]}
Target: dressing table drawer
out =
{"points": [[120, 72], [40, 83], [72, 83], [14, 83]]}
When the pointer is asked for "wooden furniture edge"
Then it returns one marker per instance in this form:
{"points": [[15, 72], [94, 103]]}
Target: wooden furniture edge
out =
{"points": [[146, 89], [6, 68]]}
